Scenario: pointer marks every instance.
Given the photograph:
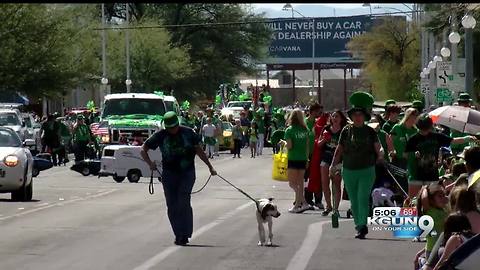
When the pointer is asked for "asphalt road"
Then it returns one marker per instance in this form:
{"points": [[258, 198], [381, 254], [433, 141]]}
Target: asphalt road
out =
{"points": [[78, 222]]}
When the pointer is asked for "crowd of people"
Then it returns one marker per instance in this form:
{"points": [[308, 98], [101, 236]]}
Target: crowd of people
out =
{"points": [[58, 137], [424, 165]]}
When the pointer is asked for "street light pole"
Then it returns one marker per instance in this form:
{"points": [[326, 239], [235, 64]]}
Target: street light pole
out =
{"points": [[313, 55], [127, 47], [104, 45], [469, 62]]}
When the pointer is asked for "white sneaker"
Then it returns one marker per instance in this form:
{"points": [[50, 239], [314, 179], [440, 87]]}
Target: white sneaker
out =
{"points": [[304, 208], [293, 209]]}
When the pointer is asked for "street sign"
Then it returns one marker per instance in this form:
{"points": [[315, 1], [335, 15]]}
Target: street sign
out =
{"points": [[444, 74], [444, 95], [424, 86]]}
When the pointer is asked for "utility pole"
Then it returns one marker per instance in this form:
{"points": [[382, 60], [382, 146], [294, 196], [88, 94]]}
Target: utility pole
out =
{"points": [[128, 82], [104, 45]]}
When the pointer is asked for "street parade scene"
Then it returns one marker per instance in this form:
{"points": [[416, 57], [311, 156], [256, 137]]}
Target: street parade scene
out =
{"points": [[240, 136]]}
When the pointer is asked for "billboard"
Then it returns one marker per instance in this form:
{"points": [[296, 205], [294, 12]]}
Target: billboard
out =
{"points": [[292, 39]]}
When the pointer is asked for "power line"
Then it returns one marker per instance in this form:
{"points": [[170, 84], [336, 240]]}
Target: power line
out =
{"points": [[266, 20]]}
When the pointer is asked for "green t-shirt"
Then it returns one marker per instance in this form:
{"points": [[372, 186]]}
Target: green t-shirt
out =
{"points": [[387, 127], [260, 125], [458, 148], [401, 134], [299, 138], [439, 216], [237, 133], [277, 135], [358, 147], [311, 133], [82, 133], [382, 136], [64, 131]]}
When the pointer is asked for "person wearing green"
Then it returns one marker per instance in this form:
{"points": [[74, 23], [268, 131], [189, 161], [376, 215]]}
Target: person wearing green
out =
{"points": [[276, 137], [397, 140], [391, 117], [463, 100], [418, 104], [360, 150], [425, 146], [297, 141], [82, 136]]}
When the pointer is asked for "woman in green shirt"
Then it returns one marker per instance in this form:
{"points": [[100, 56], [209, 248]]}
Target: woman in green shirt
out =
{"points": [[397, 140], [297, 142], [360, 150]]}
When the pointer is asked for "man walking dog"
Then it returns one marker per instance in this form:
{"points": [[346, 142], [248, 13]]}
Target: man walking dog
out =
{"points": [[178, 145]]}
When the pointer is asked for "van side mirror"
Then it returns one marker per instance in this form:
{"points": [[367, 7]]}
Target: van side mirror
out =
{"points": [[29, 142]]}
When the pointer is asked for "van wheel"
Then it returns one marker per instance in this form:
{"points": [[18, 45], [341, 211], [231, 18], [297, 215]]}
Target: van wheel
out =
{"points": [[85, 171], [118, 179], [134, 176]]}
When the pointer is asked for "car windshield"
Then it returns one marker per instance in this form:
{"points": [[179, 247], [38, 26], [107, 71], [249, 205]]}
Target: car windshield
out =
{"points": [[242, 104], [226, 126], [169, 106], [28, 121], [8, 138], [9, 119], [133, 106]]}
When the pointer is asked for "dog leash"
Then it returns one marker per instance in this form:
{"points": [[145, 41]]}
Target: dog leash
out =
{"points": [[395, 179], [151, 189]]}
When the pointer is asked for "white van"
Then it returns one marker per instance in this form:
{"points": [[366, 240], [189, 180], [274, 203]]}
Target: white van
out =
{"points": [[122, 161]]}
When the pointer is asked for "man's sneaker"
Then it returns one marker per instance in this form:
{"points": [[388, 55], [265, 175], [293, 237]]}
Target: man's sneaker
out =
{"points": [[320, 206], [294, 209]]}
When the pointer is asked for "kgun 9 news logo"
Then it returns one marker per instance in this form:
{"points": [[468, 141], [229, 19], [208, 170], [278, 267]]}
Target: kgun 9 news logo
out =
{"points": [[403, 222]]}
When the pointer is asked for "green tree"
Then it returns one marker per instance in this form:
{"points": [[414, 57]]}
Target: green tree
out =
{"points": [[47, 49], [155, 63], [391, 58], [217, 53]]}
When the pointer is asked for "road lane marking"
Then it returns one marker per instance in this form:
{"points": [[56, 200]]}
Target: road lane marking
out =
{"points": [[155, 260], [58, 204], [309, 245], [42, 204]]}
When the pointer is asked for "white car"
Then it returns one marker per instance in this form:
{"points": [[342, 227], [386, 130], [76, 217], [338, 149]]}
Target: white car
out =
{"points": [[12, 118], [16, 165], [33, 128], [122, 161], [235, 111]]}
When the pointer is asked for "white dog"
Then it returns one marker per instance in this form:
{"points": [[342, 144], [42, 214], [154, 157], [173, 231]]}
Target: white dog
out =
{"points": [[266, 209], [382, 197]]}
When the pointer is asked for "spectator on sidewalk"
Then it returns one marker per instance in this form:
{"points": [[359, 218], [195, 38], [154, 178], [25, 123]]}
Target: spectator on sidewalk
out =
{"points": [[209, 137]]}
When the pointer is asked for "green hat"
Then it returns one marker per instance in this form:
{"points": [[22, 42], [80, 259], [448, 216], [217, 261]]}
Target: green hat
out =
{"points": [[417, 104], [361, 102], [80, 117], [464, 97], [390, 102], [170, 119]]}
